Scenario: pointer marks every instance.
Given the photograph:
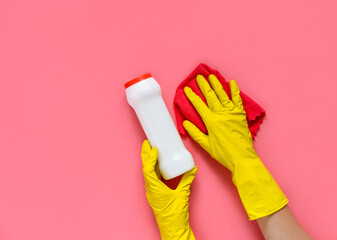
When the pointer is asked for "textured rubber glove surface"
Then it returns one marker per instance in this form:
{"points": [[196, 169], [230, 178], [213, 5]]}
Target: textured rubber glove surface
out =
{"points": [[170, 207], [229, 141]]}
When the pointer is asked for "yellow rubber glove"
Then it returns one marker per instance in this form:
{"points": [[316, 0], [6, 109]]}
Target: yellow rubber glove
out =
{"points": [[229, 142], [170, 207]]}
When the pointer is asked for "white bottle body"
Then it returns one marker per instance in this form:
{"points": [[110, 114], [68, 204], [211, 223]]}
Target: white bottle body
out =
{"points": [[146, 99]]}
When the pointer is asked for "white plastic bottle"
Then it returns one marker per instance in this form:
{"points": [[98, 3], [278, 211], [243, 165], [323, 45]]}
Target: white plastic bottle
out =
{"points": [[144, 96]]}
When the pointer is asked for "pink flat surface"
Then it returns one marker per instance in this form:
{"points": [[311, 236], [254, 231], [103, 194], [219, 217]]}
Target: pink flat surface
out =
{"points": [[70, 164]]}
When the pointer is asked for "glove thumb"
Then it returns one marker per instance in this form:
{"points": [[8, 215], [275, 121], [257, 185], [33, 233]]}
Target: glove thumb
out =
{"points": [[149, 157], [196, 134]]}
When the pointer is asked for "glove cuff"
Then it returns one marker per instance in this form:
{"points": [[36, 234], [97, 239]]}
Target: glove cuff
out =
{"points": [[259, 192]]}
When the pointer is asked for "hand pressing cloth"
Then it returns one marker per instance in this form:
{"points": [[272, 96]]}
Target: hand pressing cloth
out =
{"points": [[184, 110]]}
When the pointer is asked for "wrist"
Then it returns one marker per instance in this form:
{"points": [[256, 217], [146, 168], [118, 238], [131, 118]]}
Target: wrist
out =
{"points": [[239, 159]]}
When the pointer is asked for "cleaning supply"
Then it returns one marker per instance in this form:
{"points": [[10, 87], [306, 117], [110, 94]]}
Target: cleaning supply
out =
{"points": [[170, 207], [230, 142], [185, 111], [144, 96]]}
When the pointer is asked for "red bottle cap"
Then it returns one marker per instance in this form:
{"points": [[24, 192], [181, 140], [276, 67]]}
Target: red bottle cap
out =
{"points": [[136, 80]]}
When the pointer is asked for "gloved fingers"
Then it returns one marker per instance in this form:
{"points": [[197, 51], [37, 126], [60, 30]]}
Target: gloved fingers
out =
{"points": [[158, 171], [236, 94], [220, 92], [197, 103], [196, 134], [211, 98], [149, 157], [187, 179]]}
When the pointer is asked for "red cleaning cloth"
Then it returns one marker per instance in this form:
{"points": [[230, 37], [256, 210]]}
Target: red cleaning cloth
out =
{"points": [[184, 110]]}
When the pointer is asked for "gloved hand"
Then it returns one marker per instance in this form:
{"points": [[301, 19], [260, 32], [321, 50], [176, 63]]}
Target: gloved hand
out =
{"points": [[170, 207], [229, 142]]}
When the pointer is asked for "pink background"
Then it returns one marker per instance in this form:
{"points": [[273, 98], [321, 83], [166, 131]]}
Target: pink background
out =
{"points": [[70, 164]]}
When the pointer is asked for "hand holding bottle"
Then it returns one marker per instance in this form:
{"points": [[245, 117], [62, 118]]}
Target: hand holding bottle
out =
{"points": [[170, 207]]}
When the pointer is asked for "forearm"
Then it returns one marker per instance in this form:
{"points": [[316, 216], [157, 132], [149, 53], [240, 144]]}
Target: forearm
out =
{"points": [[169, 230], [179, 235], [282, 225]]}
